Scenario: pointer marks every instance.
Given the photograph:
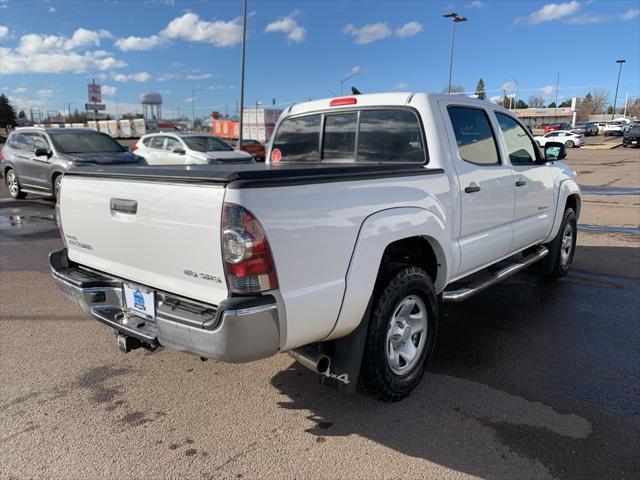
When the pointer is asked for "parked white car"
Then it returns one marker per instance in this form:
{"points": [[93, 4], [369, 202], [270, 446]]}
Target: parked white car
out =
{"points": [[186, 148], [569, 139], [616, 127], [370, 211]]}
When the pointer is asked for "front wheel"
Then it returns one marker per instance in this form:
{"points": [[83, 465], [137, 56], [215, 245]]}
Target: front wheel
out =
{"points": [[562, 248], [57, 182], [13, 184], [401, 336], [569, 144]]}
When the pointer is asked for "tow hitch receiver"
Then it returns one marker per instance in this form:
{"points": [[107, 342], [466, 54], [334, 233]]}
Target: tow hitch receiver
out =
{"points": [[126, 344]]}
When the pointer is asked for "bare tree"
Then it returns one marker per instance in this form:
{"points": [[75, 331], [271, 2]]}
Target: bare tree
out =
{"points": [[536, 101], [600, 97]]}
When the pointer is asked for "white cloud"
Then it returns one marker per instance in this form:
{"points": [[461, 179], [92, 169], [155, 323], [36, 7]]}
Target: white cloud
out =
{"points": [[401, 86], [548, 91], [509, 85], [109, 90], [4, 4], [477, 4], [45, 93], [354, 70], [591, 18], [4, 31], [19, 90], [167, 76], [409, 29], [630, 14], [549, 12], [289, 25], [495, 98], [202, 76], [56, 61], [136, 77], [139, 43], [190, 27], [52, 9], [367, 33]]}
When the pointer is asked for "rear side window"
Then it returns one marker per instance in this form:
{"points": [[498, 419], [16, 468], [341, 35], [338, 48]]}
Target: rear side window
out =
{"points": [[157, 142], [340, 137], [298, 139], [474, 136], [14, 140], [147, 141], [27, 143], [390, 136]]}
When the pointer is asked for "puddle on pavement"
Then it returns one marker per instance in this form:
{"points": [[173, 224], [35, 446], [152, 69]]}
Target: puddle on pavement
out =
{"points": [[609, 190], [603, 229], [21, 221]]}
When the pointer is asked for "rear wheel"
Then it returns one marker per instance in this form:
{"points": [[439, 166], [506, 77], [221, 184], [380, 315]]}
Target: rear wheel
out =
{"points": [[13, 184], [401, 336], [569, 144]]}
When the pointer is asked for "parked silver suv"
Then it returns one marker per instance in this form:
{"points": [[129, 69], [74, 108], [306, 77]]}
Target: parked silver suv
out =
{"points": [[34, 159]]}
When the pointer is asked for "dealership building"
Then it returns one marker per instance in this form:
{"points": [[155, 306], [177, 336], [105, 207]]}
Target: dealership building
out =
{"points": [[532, 117]]}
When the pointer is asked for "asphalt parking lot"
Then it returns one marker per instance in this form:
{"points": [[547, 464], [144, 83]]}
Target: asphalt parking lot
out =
{"points": [[530, 379]]}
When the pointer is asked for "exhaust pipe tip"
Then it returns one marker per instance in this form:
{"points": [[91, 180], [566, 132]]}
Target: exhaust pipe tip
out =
{"points": [[310, 358]]}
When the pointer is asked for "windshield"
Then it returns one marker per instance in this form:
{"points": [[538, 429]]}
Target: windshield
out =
{"points": [[206, 144], [84, 142], [635, 131]]}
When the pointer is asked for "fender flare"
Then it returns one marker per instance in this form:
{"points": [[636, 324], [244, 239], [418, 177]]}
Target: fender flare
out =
{"points": [[377, 231], [567, 188]]}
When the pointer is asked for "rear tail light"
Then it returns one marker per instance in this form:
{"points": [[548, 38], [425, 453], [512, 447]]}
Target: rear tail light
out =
{"points": [[133, 147], [248, 263], [59, 217]]}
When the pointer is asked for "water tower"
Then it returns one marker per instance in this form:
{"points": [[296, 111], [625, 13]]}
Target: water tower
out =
{"points": [[151, 105]]}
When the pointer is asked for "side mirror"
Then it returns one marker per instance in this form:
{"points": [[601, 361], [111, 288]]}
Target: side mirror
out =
{"points": [[554, 151], [42, 152], [179, 151]]}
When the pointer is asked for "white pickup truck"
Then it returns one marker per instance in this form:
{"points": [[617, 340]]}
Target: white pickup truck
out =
{"points": [[370, 212]]}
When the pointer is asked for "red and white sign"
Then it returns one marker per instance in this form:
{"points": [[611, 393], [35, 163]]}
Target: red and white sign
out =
{"points": [[276, 155], [95, 93]]}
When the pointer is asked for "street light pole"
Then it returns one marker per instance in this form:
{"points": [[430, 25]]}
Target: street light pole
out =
{"points": [[351, 75], [455, 18], [244, 41], [615, 98]]}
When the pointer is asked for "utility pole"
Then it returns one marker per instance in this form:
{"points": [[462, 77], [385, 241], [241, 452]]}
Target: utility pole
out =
{"points": [[615, 98], [555, 110], [244, 42], [455, 18]]}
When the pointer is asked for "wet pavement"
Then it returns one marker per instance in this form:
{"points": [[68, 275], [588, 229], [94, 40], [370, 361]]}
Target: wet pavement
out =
{"points": [[530, 379]]}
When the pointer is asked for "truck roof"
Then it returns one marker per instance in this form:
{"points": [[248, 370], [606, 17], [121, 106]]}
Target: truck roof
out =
{"points": [[375, 99]]}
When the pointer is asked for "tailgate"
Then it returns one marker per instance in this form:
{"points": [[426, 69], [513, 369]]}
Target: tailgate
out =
{"points": [[162, 235]]}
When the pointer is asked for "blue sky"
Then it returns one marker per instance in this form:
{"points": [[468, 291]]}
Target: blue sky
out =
{"points": [[298, 50]]}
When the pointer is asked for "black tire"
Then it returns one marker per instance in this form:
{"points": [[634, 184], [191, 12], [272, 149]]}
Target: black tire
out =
{"points": [[55, 187], [377, 376], [12, 183], [569, 144], [557, 264]]}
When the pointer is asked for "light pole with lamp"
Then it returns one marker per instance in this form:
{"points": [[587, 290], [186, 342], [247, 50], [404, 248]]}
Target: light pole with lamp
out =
{"points": [[455, 18], [615, 98], [351, 75]]}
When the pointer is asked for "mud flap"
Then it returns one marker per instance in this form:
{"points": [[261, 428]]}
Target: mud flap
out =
{"points": [[346, 357]]}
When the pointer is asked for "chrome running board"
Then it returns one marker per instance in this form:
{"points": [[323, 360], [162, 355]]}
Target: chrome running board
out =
{"points": [[454, 296]]}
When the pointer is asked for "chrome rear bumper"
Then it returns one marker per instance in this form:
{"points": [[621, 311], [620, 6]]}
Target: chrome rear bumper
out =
{"points": [[238, 330]]}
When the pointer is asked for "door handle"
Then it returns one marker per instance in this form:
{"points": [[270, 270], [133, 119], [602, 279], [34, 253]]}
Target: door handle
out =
{"points": [[472, 189], [124, 206], [520, 183]]}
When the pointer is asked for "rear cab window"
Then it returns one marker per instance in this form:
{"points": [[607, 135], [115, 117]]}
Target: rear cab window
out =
{"points": [[376, 135], [474, 135]]}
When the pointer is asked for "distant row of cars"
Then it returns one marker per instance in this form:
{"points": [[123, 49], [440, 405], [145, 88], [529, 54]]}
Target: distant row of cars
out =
{"points": [[33, 159], [614, 127]]}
